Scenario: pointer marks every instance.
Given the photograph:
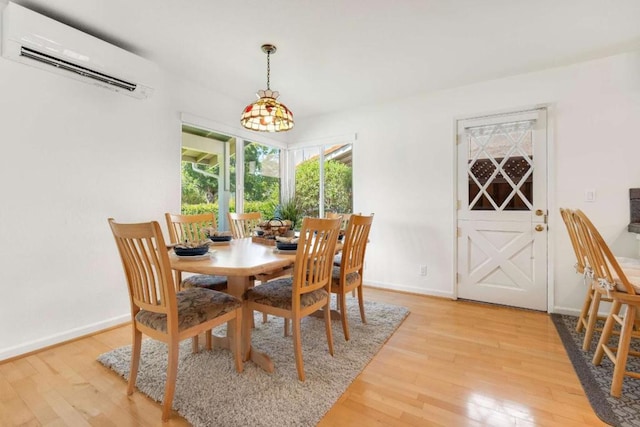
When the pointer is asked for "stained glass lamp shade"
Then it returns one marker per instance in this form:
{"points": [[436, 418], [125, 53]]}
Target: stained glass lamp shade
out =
{"points": [[267, 114]]}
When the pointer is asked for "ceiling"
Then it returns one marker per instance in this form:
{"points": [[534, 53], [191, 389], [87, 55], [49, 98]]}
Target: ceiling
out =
{"points": [[339, 54]]}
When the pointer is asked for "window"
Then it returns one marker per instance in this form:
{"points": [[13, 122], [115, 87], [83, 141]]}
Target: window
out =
{"points": [[261, 178], [323, 179], [222, 173], [500, 166], [338, 189], [205, 186]]}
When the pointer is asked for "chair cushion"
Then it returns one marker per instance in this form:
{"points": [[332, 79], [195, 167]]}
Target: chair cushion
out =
{"points": [[335, 277], [278, 293], [628, 262], [631, 269], [195, 306], [216, 283], [633, 276]]}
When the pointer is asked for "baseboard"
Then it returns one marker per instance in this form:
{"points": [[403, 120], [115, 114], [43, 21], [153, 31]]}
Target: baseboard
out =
{"points": [[39, 344], [409, 289], [568, 311]]}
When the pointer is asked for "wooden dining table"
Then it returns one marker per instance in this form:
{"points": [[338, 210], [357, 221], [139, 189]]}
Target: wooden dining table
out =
{"points": [[241, 260]]}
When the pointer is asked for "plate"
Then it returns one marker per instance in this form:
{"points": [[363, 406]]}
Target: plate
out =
{"points": [[286, 246], [285, 251], [195, 257], [182, 251]]}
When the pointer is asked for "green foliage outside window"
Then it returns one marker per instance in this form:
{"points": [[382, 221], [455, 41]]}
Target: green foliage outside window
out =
{"points": [[262, 193], [257, 185], [337, 187], [199, 187], [266, 208]]}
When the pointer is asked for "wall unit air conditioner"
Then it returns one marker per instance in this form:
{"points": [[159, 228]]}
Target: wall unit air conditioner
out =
{"points": [[39, 41]]}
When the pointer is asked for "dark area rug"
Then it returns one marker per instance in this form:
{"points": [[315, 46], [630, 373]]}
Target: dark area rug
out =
{"points": [[596, 380]]}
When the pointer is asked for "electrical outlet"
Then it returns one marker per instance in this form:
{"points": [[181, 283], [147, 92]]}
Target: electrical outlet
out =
{"points": [[423, 270]]}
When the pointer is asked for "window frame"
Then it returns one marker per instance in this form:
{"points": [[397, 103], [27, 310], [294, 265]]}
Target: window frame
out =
{"points": [[287, 170], [322, 145]]}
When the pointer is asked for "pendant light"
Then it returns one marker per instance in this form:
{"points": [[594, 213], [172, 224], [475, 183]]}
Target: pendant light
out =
{"points": [[267, 114]]}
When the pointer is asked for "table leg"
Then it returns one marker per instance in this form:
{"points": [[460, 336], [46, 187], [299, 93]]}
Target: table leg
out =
{"points": [[237, 285]]}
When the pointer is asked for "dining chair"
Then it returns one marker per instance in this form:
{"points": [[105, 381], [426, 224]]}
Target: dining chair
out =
{"points": [[161, 312], [243, 224], [348, 276], [344, 222], [193, 228], [589, 313], [621, 285], [344, 218], [308, 289]]}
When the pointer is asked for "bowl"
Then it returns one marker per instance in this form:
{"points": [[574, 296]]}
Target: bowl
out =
{"points": [[220, 238], [181, 251], [287, 246]]}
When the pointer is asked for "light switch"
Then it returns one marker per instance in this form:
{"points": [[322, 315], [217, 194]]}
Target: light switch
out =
{"points": [[589, 195]]}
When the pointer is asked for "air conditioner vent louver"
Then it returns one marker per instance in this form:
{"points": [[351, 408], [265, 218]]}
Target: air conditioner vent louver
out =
{"points": [[83, 71], [39, 41]]}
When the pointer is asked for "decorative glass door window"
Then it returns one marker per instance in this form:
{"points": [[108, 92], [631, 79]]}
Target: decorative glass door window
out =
{"points": [[500, 166]]}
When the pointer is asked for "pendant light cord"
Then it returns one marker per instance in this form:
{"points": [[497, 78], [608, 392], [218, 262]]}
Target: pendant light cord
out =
{"points": [[268, 69]]}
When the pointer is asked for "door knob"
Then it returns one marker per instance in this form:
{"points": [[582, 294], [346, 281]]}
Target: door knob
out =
{"points": [[539, 227], [539, 212]]}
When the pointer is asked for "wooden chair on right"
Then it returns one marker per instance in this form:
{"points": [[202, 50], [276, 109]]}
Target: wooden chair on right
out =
{"points": [[622, 288], [162, 313], [243, 224], [348, 276], [193, 228], [589, 317], [589, 314]]}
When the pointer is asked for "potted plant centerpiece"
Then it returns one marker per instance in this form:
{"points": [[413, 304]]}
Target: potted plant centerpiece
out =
{"points": [[290, 210]]}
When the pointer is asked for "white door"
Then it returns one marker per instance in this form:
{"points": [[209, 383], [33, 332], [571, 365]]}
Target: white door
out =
{"points": [[502, 209]]}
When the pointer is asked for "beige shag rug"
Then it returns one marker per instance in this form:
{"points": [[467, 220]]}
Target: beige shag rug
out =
{"points": [[209, 392]]}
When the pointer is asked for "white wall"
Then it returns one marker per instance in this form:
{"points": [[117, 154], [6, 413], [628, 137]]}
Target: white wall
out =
{"points": [[72, 155], [404, 168]]}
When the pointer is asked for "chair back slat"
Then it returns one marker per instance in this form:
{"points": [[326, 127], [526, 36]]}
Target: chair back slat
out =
{"points": [[190, 228], [138, 272], [146, 264], [355, 244], [600, 258], [314, 256], [581, 256], [243, 224]]}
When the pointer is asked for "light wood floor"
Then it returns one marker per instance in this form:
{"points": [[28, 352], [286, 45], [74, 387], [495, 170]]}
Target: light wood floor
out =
{"points": [[449, 364]]}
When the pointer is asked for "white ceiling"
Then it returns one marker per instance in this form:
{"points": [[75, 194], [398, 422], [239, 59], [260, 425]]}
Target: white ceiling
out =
{"points": [[338, 54]]}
